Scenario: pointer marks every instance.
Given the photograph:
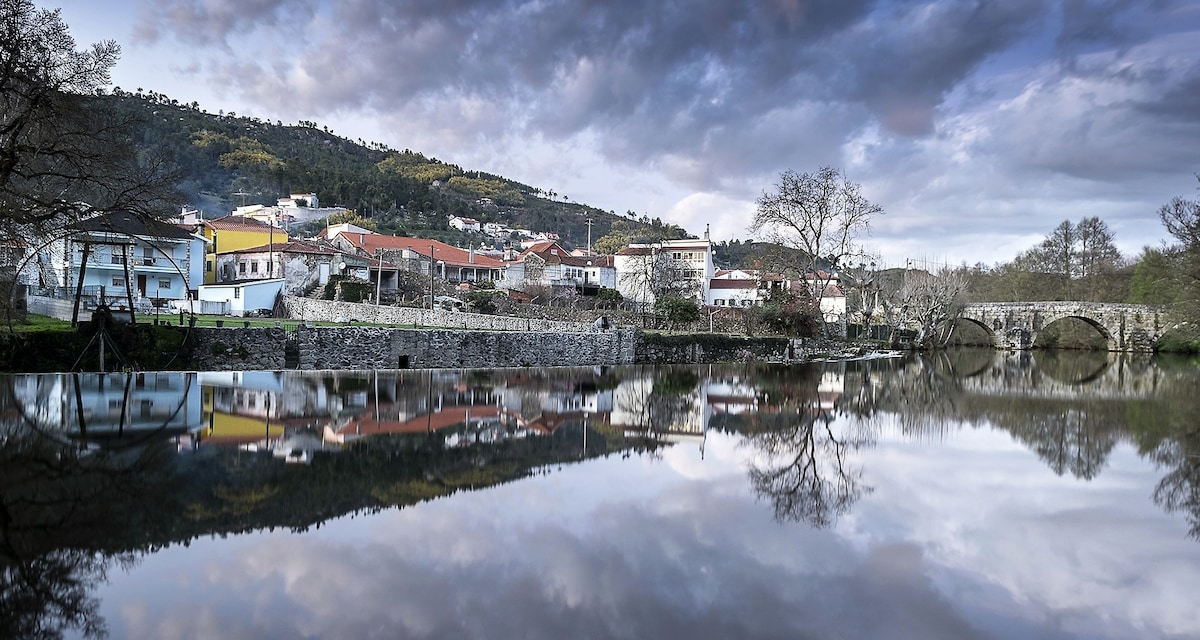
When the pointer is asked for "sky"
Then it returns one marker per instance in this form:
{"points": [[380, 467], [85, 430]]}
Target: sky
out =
{"points": [[977, 126]]}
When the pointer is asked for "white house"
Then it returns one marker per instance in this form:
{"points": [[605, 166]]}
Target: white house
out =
{"points": [[132, 260], [464, 224], [691, 257], [242, 297], [549, 264]]}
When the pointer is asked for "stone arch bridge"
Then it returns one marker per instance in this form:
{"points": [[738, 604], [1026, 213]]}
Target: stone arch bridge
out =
{"points": [[1015, 325]]}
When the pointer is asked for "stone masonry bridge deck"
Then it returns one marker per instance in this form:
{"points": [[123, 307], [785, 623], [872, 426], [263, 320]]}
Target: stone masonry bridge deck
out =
{"points": [[1015, 325]]}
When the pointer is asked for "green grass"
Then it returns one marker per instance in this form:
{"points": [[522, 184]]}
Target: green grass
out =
{"points": [[34, 322]]}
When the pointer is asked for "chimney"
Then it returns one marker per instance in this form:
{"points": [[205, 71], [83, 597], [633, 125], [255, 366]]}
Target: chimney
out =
{"points": [[471, 256], [706, 232]]}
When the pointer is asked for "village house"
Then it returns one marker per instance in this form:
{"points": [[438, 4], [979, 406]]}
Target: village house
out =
{"points": [[640, 264], [464, 224], [303, 266], [548, 264], [138, 264], [234, 233], [422, 255]]}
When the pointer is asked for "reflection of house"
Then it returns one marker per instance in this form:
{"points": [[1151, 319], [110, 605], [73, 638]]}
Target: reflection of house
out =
{"points": [[678, 416], [106, 406]]}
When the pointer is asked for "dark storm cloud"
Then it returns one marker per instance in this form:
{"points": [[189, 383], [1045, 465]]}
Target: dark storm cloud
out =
{"points": [[908, 58], [213, 22], [656, 78], [1088, 23]]}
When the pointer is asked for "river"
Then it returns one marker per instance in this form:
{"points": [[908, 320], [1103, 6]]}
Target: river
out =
{"points": [[967, 495]]}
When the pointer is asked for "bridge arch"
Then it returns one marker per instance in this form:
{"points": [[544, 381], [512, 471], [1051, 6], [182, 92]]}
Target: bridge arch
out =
{"points": [[1016, 325]]}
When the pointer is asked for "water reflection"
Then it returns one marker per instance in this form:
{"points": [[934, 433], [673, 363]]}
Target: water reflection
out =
{"points": [[98, 470]]}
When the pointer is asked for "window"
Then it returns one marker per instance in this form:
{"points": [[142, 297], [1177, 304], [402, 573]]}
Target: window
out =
{"points": [[237, 292], [117, 281], [208, 266], [254, 267], [242, 267], [148, 252], [164, 283]]}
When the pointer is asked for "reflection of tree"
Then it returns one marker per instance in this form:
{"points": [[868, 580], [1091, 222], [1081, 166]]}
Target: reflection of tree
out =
{"points": [[1179, 489], [803, 462], [660, 401], [64, 517], [40, 598], [1068, 438], [1167, 433]]}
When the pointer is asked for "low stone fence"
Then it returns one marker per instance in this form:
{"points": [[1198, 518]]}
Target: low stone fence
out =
{"points": [[313, 310]]}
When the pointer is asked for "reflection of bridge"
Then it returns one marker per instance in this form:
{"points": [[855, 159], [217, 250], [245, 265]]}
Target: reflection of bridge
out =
{"points": [[1105, 377], [1015, 325]]}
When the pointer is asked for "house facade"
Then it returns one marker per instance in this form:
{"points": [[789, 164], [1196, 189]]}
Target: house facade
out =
{"points": [[303, 266], [688, 263], [130, 261], [422, 255], [234, 233], [549, 264]]}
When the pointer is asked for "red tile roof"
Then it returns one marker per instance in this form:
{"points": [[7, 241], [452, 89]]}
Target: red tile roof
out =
{"points": [[241, 223], [370, 242]]}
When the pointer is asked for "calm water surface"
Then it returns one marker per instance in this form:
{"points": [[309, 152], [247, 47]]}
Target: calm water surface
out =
{"points": [[966, 496]]}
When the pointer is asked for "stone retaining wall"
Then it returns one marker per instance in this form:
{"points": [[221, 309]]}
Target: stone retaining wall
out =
{"points": [[239, 349], [383, 348], [232, 349]]}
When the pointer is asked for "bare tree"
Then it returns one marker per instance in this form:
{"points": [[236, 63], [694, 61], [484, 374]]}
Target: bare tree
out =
{"points": [[1181, 217], [62, 155], [929, 303], [821, 215]]}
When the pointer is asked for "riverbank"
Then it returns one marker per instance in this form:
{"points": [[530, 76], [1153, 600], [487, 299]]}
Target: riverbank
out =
{"points": [[299, 346]]}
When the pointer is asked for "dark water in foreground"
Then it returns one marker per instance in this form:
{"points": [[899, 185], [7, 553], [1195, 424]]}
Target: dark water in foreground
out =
{"points": [[968, 496]]}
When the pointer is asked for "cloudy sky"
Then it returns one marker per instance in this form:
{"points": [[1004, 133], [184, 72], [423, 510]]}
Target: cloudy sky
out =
{"points": [[978, 126]]}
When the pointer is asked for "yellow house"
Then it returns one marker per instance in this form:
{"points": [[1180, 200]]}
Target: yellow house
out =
{"points": [[234, 233]]}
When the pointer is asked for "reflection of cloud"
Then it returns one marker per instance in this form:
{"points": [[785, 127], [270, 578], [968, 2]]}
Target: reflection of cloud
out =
{"points": [[1096, 559], [655, 555]]}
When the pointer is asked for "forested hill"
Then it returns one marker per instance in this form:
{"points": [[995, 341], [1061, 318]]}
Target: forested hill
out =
{"points": [[226, 160]]}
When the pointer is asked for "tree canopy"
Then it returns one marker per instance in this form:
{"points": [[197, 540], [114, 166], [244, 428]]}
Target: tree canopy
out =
{"points": [[820, 215], [60, 156]]}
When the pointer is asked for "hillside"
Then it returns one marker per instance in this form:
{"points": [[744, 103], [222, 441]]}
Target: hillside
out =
{"points": [[226, 160]]}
